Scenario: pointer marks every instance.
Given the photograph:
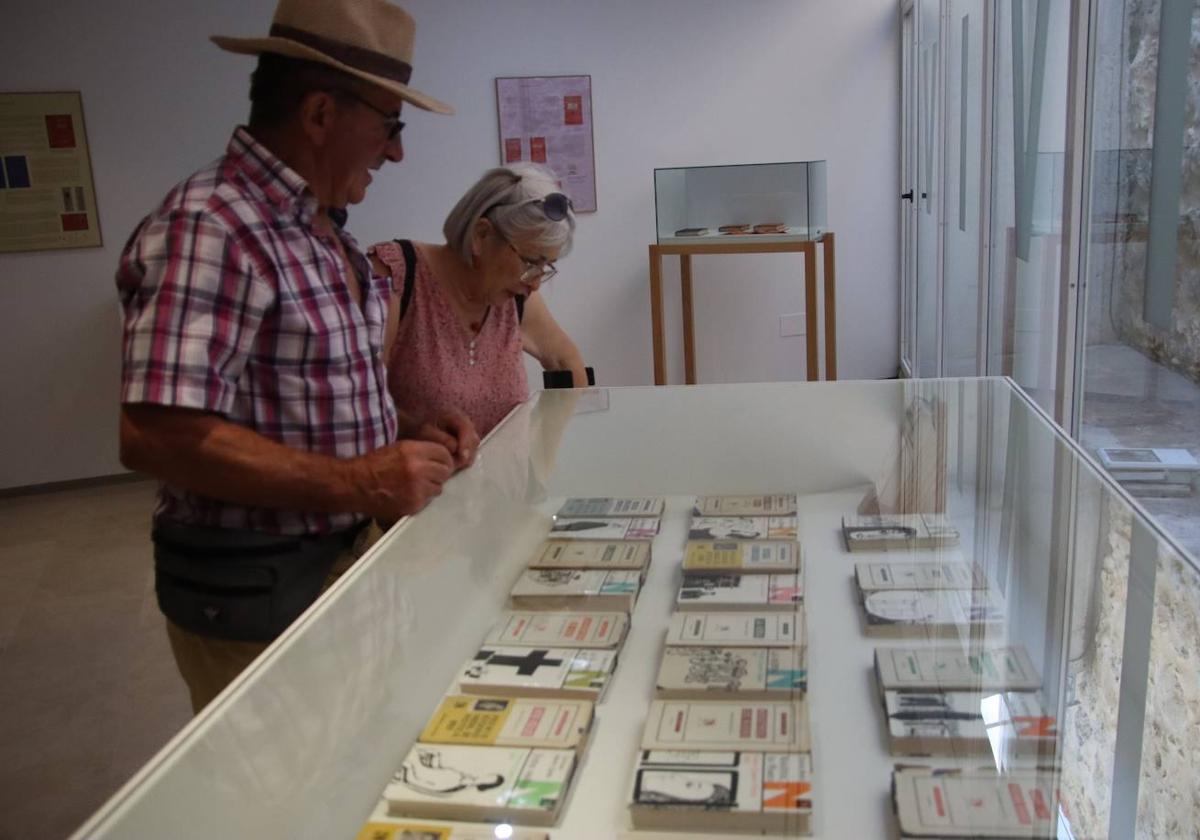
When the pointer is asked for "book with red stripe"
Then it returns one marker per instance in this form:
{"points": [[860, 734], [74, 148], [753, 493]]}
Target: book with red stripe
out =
{"points": [[763, 726], [604, 630], [944, 802]]}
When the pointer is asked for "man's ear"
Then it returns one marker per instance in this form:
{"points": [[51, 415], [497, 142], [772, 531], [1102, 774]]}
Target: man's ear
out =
{"points": [[318, 111]]}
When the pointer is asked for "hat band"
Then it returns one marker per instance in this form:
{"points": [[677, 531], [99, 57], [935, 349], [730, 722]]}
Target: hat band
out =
{"points": [[368, 61]]}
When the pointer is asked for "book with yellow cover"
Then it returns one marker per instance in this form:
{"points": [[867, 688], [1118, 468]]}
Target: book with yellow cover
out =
{"points": [[581, 554], [509, 722], [762, 725], [748, 557], [390, 828]]}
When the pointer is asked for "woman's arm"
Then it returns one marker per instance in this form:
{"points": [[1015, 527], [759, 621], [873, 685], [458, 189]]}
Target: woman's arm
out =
{"points": [[549, 343]]}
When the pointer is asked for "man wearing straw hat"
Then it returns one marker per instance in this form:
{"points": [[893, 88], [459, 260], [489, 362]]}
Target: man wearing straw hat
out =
{"points": [[253, 385]]}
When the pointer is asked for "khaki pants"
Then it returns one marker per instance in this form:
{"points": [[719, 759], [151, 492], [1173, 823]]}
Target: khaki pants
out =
{"points": [[208, 664]]}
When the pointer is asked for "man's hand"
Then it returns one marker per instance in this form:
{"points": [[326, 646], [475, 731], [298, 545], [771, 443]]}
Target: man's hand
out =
{"points": [[401, 478], [455, 431]]}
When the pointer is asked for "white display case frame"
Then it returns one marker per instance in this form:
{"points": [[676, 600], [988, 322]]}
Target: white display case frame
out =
{"points": [[303, 742]]}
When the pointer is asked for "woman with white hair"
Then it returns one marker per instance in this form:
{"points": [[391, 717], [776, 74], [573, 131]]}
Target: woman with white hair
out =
{"points": [[463, 311]]}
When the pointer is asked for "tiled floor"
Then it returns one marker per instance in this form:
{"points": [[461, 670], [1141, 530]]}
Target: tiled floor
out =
{"points": [[88, 689]]}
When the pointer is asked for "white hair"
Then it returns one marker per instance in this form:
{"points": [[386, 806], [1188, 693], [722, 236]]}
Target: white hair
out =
{"points": [[507, 195]]}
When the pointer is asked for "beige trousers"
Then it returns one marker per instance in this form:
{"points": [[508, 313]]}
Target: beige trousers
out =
{"points": [[208, 664]]}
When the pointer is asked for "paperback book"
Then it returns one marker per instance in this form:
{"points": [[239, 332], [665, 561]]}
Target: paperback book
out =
{"points": [[538, 672], [618, 506], [600, 528], [576, 589], [951, 669], [581, 554], [769, 504], [560, 629], [953, 723], [754, 557], [762, 725], [743, 528], [384, 828], [525, 786], [722, 791], [739, 592], [882, 577], [935, 802], [902, 532], [725, 673], [738, 629], [509, 722], [931, 613]]}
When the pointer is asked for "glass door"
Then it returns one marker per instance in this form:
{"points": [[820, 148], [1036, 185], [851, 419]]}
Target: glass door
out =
{"points": [[928, 197], [964, 104], [908, 181]]}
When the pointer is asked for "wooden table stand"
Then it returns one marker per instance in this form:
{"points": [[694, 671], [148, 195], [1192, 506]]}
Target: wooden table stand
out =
{"points": [[807, 247]]}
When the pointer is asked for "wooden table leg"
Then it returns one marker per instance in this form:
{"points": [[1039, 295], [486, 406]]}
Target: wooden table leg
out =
{"points": [[830, 309], [810, 310], [656, 317], [689, 325]]}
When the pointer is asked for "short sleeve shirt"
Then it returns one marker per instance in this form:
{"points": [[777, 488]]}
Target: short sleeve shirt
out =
{"points": [[437, 364], [234, 304]]}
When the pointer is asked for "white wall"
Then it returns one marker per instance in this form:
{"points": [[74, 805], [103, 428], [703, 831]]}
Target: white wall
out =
{"points": [[674, 82]]}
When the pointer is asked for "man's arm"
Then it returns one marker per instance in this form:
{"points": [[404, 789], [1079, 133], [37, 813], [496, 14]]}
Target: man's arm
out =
{"points": [[206, 454], [549, 343]]}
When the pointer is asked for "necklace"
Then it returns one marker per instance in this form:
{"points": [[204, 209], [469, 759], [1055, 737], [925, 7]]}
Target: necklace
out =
{"points": [[476, 327]]}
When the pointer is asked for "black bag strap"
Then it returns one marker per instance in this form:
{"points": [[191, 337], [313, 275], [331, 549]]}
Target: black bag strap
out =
{"points": [[410, 272]]}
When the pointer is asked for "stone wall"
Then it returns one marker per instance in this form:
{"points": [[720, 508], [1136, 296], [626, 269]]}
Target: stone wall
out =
{"points": [[1121, 199], [1169, 792]]}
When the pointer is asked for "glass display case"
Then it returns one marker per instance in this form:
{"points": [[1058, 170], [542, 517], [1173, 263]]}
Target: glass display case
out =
{"points": [[1102, 605], [763, 202]]}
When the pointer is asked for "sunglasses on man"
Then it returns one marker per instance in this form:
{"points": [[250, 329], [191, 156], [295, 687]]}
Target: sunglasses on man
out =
{"points": [[392, 122]]}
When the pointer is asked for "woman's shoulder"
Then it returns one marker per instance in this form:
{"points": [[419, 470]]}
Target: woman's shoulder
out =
{"points": [[391, 257]]}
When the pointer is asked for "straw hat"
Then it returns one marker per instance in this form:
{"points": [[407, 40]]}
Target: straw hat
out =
{"points": [[370, 39]]}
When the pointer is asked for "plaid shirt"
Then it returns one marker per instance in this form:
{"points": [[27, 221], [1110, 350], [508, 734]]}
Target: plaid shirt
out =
{"points": [[235, 305]]}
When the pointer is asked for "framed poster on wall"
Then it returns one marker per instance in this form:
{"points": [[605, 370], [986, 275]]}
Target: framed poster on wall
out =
{"points": [[47, 198], [548, 120]]}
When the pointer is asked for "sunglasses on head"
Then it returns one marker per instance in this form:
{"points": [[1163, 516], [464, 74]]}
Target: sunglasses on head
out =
{"points": [[555, 206]]}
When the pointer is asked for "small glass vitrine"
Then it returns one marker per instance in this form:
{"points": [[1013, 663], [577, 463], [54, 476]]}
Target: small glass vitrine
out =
{"points": [[760, 202]]}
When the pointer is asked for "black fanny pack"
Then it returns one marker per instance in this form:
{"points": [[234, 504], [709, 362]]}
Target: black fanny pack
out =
{"points": [[240, 585]]}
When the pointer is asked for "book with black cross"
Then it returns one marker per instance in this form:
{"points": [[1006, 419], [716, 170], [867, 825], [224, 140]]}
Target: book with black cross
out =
{"points": [[538, 672]]}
